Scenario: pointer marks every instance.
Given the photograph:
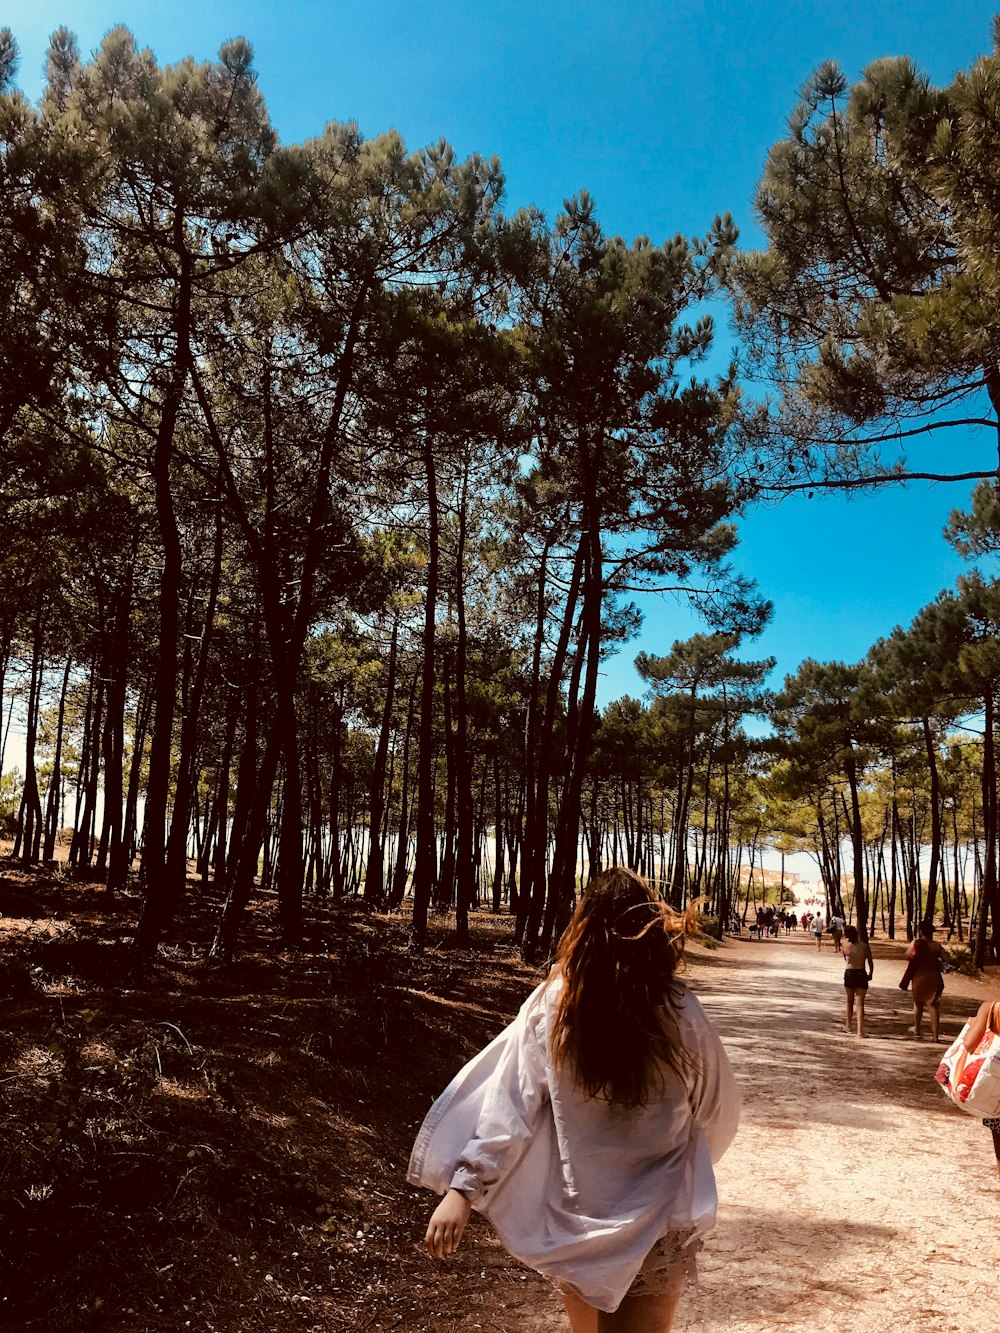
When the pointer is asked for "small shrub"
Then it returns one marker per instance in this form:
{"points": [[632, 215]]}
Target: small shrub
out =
{"points": [[709, 926], [10, 800], [959, 958]]}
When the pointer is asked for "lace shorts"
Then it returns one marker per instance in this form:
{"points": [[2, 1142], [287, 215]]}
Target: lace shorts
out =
{"points": [[672, 1259]]}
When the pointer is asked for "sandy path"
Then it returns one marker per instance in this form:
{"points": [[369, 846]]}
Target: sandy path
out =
{"points": [[854, 1197]]}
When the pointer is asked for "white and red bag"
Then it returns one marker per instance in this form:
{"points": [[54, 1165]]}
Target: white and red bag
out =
{"points": [[971, 1079]]}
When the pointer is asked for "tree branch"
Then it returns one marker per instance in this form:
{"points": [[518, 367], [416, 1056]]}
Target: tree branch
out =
{"points": [[891, 478]]}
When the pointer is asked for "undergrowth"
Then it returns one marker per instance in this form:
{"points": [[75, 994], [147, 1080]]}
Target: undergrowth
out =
{"points": [[959, 958], [222, 1147]]}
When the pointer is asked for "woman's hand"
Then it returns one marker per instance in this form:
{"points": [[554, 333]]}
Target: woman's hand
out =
{"points": [[444, 1233]]}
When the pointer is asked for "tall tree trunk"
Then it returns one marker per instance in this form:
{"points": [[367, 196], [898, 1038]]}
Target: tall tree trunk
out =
{"points": [[220, 810], [534, 860], [29, 832], [143, 713], [374, 890], [988, 894], [186, 786], [155, 878], [445, 887], [584, 708], [114, 755], [930, 905], [54, 800], [336, 787], [244, 859], [83, 768], [425, 869], [499, 835], [400, 867], [465, 879], [291, 872], [532, 739]]}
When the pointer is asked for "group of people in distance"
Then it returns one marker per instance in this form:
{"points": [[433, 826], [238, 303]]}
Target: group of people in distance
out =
{"points": [[587, 1131], [774, 920]]}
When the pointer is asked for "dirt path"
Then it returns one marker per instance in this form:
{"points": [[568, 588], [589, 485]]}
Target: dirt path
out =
{"points": [[854, 1197]]}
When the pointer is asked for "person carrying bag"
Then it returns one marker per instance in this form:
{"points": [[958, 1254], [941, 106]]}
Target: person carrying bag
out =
{"points": [[969, 1073]]}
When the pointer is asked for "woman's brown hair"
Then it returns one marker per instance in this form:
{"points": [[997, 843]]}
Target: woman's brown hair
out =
{"points": [[615, 1021]]}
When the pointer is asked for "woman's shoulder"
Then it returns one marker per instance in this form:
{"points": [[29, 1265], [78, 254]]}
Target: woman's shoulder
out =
{"points": [[539, 1008], [685, 1004], [696, 1029]]}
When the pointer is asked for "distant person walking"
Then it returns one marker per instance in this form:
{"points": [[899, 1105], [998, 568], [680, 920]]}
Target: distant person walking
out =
{"points": [[818, 930], [836, 929], [600, 1113], [859, 971], [924, 958]]}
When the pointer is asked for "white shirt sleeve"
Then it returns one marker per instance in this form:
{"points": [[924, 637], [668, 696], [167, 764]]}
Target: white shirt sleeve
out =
{"points": [[516, 1095], [713, 1092]]}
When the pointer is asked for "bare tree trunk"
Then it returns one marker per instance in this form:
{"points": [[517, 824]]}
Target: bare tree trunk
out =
{"points": [[54, 799], [425, 870], [374, 890], [29, 829]]}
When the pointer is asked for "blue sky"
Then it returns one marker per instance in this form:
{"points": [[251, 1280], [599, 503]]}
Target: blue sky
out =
{"points": [[664, 112]]}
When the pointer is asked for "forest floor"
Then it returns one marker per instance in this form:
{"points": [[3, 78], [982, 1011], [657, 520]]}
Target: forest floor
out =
{"points": [[223, 1148]]}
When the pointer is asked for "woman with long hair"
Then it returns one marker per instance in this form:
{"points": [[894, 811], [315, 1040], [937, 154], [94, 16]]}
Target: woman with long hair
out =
{"points": [[857, 974], [586, 1132]]}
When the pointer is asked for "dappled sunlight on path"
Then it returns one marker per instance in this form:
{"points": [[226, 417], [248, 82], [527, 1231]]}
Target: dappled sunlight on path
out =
{"points": [[844, 1204]]}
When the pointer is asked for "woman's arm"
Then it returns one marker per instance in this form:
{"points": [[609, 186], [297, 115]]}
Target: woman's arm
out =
{"points": [[714, 1094], [869, 961], [516, 1094], [977, 1026]]}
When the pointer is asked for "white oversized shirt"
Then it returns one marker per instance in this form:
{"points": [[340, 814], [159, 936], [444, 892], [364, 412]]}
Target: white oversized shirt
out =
{"points": [[576, 1187]]}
